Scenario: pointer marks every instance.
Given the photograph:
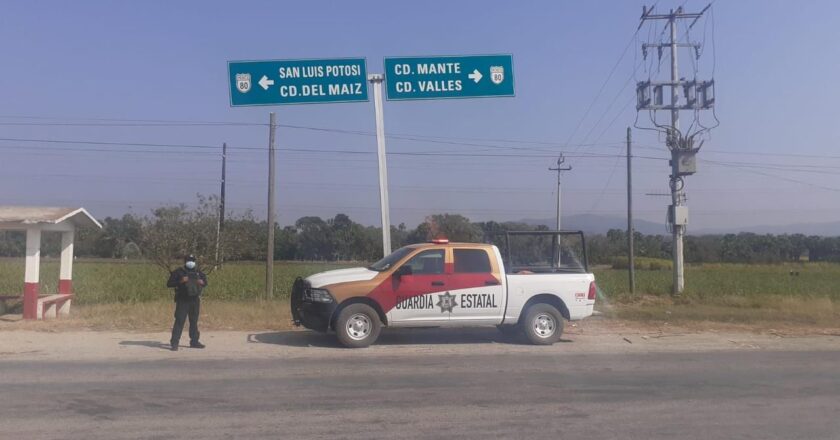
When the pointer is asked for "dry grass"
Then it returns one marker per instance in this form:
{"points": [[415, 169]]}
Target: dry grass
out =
{"points": [[158, 316], [815, 316], [132, 296], [772, 311]]}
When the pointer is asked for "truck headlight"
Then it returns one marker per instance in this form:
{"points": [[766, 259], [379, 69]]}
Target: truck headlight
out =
{"points": [[318, 295]]}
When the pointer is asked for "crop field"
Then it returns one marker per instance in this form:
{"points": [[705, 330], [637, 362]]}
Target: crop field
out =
{"points": [[801, 294], [798, 293], [107, 281], [110, 281], [712, 282]]}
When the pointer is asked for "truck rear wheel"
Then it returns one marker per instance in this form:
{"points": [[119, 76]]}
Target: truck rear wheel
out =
{"points": [[543, 324], [357, 326]]}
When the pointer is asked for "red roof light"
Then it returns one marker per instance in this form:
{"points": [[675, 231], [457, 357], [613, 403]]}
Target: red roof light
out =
{"points": [[440, 241]]}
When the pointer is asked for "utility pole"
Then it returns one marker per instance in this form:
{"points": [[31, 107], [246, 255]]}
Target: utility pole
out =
{"points": [[677, 194], [221, 224], [560, 168], [630, 232], [699, 95], [269, 257]]}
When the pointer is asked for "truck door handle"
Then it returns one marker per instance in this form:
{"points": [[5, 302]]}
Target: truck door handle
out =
{"points": [[437, 283], [491, 283]]}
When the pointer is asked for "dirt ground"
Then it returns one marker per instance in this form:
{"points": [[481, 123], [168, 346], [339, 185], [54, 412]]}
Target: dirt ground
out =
{"points": [[68, 340]]}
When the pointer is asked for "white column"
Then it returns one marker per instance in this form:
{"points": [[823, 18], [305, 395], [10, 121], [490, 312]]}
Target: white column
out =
{"points": [[65, 278], [31, 275], [66, 272], [33, 255]]}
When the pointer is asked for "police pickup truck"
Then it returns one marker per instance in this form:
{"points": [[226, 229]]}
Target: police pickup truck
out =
{"points": [[443, 284]]}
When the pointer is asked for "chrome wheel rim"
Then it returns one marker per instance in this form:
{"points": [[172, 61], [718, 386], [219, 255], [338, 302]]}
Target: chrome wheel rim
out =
{"points": [[545, 325], [358, 326]]}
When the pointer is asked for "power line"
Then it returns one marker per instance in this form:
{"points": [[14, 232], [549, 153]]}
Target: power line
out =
{"points": [[397, 136], [603, 86], [804, 168], [776, 176], [289, 149]]}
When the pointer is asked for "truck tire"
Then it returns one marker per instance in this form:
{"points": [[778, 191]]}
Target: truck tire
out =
{"points": [[542, 324], [357, 326]]}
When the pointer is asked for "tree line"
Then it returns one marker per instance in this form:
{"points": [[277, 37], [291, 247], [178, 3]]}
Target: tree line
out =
{"points": [[169, 232]]}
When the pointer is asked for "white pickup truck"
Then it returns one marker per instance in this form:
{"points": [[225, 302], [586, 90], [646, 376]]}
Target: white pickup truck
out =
{"points": [[443, 284]]}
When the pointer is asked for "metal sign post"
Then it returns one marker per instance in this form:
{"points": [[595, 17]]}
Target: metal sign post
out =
{"points": [[376, 82]]}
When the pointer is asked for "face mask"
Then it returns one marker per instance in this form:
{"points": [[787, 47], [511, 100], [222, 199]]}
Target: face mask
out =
{"points": [[190, 264]]}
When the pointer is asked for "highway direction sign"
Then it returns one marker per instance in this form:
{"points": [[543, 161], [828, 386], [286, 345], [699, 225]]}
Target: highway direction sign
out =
{"points": [[439, 77], [297, 81]]}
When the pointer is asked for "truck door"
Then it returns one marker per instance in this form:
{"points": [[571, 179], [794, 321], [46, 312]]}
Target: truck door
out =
{"points": [[477, 283], [418, 288]]}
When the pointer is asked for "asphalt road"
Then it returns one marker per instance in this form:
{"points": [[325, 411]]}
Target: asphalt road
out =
{"points": [[424, 393]]}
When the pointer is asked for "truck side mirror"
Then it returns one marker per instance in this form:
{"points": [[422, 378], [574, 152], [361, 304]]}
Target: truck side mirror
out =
{"points": [[404, 270]]}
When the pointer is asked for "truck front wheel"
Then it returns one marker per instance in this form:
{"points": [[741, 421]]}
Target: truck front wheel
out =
{"points": [[357, 326], [543, 324]]}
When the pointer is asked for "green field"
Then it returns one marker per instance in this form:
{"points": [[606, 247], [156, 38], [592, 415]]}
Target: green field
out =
{"points": [[801, 293], [714, 281], [104, 281]]}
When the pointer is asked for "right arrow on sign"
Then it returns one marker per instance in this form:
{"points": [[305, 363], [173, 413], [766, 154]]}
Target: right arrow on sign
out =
{"points": [[475, 76]]}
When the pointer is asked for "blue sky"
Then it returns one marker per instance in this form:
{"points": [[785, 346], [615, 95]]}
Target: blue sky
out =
{"points": [[775, 64]]}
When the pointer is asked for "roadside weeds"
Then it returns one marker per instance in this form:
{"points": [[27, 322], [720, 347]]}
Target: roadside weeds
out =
{"points": [[651, 316]]}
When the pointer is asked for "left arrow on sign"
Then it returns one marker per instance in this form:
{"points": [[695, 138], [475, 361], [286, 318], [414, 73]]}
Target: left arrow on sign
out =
{"points": [[265, 82]]}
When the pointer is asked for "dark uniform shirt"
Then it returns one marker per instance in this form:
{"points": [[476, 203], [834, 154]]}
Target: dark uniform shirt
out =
{"points": [[190, 290]]}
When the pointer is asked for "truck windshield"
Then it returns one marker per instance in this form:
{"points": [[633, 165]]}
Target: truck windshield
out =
{"points": [[390, 260]]}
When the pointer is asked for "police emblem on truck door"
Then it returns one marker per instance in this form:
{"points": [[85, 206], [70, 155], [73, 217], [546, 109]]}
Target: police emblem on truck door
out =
{"points": [[446, 302]]}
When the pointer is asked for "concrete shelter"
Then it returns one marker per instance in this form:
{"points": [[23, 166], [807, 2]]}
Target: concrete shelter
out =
{"points": [[35, 220]]}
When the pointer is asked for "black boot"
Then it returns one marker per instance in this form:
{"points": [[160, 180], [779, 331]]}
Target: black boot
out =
{"points": [[196, 345]]}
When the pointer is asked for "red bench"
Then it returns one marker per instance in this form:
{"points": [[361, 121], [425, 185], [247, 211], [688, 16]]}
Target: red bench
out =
{"points": [[53, 306]]}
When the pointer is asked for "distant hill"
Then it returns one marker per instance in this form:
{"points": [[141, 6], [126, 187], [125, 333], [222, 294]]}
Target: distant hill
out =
{"points": [[830, 229], [598, 224]]}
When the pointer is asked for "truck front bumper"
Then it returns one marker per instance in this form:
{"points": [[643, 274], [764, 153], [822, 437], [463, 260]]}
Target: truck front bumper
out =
{"points": [[314, 316]]}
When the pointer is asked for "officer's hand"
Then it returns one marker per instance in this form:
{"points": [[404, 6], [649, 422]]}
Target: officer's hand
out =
{"points": [[200, 282], [184, 279]]}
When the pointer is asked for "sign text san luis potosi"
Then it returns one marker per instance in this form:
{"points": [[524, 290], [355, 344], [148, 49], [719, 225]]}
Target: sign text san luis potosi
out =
{"points": [[297, 81]]}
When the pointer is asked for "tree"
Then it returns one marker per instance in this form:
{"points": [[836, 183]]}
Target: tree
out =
{"points": [[175, 231], [315, 239], [455, 227]]}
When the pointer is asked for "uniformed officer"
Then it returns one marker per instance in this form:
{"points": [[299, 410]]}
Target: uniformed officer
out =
{"points": [[188, 282]]}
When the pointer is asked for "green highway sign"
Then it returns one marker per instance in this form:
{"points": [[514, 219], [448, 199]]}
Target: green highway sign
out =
{"points": [[297, 81], [440, 77]]}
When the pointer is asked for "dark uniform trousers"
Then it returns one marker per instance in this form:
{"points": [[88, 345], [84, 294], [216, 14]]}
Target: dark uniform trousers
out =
{"points": [[183, 309]]}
